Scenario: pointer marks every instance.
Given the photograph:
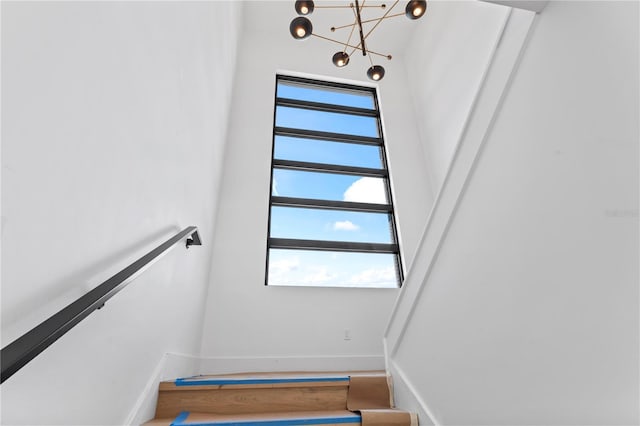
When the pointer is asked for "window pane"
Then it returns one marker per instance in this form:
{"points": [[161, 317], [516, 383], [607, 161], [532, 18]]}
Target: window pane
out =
{"points": [[327, 95], [329, 186], [327, 152], [322, 121], [332, 269], [330, 225]]}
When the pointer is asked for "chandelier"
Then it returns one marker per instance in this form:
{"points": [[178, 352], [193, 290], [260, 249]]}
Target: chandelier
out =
{"points": [[301, 28]]}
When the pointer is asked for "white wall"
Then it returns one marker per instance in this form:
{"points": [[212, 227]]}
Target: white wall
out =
{"points": [[529, 312], [114, 121], [448, 59], [245, 319]]}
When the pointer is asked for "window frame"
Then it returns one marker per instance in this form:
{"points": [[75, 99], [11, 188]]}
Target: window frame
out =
{"points": [[383, 173]]}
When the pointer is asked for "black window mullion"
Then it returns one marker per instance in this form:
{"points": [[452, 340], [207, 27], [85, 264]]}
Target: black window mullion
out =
{"points": [[326, 136], [317, 106], [350, 246], [324, 84], [330, 204], [329, 168]]}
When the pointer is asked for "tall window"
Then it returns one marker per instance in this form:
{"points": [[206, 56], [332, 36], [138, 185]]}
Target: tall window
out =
{"points": [[331, 219]]}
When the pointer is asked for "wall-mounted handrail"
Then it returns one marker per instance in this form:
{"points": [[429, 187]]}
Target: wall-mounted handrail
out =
{"points": [[18, 353]]}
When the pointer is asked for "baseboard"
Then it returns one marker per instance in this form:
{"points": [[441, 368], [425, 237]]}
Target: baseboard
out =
{"points": [[221, 365], [145, 404], [170, 366], [407, 398]]}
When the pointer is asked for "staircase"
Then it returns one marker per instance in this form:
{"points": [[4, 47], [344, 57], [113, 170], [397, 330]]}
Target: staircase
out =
{"points": [[285, 399]]}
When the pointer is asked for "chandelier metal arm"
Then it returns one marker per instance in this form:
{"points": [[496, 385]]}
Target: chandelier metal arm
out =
{"points": [[353, 27], [349, 45], [383, 17], [369, 20], [344, 7]]}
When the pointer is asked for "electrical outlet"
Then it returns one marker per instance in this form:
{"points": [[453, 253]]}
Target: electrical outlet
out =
{"points": [[347, 334]]}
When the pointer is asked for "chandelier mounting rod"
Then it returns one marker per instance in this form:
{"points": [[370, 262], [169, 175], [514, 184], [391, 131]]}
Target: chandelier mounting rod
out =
{"points": [[378, 23], [364, 48]]}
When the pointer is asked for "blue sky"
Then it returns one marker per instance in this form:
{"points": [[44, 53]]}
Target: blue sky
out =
{"points": [[326, 121], [317, 268], [325, 95], [345, 154]]}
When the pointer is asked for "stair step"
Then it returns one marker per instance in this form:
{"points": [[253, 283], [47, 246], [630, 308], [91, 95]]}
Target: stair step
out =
{"points": [[327, 418], [388, 417], [256, 381], [256, 393]]}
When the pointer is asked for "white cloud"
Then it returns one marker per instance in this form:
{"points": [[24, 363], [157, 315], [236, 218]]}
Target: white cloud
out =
{"points": [[384, 277], [291, 271], [274, 188], [281, 271], [318, 276], [284, 265], [345, 225], [366, 190]]}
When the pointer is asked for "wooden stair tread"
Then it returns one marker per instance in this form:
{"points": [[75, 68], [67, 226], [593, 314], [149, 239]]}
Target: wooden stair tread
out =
{"points": [[239, 399], [165, 421], [266, 380], [298, 373], [334, 417], [253, 383]]}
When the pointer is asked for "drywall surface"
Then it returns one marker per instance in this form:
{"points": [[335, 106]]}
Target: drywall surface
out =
{"points": [[246, 319], [113, 128], [449, 56], [530, 312]]}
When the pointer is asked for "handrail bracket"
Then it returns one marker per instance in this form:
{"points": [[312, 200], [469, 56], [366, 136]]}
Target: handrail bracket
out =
{"points": [[193, 240]]}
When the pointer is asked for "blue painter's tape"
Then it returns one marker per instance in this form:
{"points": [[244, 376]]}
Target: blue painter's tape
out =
{"points": [[265, 381], [180, 419], [283, 422]]}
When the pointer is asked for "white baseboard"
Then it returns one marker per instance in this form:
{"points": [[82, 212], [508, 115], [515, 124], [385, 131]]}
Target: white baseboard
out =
{"points": [[408, 398], [221, 365], [144, 407], [170, 366]]}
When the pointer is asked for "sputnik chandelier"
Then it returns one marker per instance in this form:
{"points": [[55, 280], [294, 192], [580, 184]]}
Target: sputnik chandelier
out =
{"points": [[301, 29]]}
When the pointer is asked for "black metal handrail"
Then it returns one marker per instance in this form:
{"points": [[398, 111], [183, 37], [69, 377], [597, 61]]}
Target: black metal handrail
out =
{"points": [[18, 353]]}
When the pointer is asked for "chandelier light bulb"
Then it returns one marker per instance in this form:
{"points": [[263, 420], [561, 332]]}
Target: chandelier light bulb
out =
{"points": [[340, 59], [375, 73], [300, 28], [304, 7], [415, 9]]}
